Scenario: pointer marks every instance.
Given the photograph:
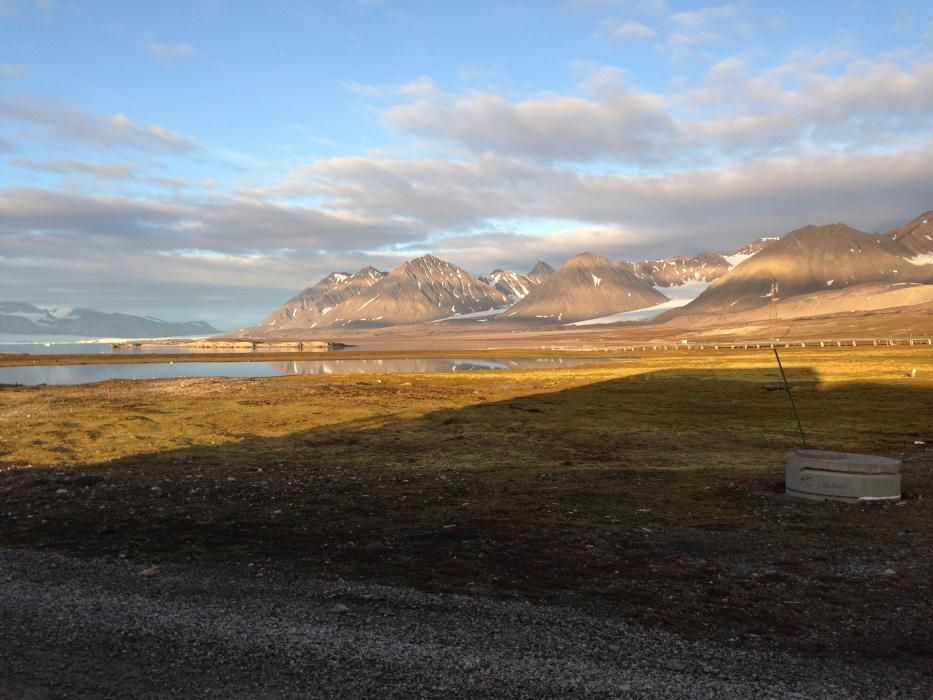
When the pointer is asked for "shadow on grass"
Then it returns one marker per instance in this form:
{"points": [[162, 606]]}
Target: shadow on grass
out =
{"points": [[657, 498]]}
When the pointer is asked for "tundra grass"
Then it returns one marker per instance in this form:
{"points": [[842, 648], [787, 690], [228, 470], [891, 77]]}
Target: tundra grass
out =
{"points": [[650, 489]]}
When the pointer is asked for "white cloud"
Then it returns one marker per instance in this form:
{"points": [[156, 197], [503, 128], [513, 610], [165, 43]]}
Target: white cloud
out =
{"points": [[624, 124], [696, 28], [170, 52], [697, 38], [362, 89], [617, 30], [422, 86], [703, 17], [11, 71], [103, 171], [56, 122], [810, 102], [639, 6]]}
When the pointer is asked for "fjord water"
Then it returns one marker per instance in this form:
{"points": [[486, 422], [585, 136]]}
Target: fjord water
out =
{"points": [[84, 374]]}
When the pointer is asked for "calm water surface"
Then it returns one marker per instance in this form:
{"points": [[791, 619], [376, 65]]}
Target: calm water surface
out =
{"points": [[84, 374]]}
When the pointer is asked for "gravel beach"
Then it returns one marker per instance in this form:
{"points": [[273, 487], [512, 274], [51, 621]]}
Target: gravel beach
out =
{"points": [[114, 628]]}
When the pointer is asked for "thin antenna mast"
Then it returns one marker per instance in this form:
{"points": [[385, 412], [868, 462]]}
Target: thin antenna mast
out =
{"points": [[803, 438]]}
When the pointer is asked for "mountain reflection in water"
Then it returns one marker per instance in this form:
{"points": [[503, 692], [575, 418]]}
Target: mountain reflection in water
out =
{"points": [[83, 374]]}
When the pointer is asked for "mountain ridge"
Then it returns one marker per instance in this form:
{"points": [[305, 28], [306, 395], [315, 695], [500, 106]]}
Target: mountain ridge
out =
{"points": [[420, 290], [805, 261]]}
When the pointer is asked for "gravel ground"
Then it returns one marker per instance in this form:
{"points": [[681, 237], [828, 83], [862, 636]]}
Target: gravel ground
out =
{"points": [[111, 628]]}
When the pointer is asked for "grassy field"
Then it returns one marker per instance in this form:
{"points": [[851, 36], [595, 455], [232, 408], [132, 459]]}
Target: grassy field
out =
{"points": [[650, 489]]}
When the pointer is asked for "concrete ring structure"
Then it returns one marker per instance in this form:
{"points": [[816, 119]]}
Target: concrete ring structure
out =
{"points": [[841, 476]]}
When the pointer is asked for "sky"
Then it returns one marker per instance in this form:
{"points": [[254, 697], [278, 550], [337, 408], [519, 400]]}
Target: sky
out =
{"points": [[208, 159]]}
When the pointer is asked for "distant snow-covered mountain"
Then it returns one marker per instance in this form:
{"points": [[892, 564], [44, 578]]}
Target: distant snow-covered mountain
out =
{"points": [[20, 318]]}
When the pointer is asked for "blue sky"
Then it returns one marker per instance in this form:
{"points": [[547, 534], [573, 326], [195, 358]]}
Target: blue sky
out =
{"points": [[209, 159]]}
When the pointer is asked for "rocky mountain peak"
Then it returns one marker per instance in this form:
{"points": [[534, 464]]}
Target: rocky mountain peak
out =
{"points": [[514, 285], [430, 266], [586, 260], [333, 279], [916, 237], [541, 270]]}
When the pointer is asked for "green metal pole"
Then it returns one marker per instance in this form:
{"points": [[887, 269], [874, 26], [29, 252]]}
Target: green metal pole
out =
{"points": [[793, 405]]}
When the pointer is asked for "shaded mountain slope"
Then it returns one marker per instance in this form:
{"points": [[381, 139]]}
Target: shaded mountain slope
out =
{"points": [[810, 259], [677, 270], [587, 286]]}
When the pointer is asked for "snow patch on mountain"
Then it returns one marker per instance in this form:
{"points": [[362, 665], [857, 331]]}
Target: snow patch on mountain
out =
{"points": [[680, 296], [638, 315], [738, 258], [488, 313], [686, 292]]}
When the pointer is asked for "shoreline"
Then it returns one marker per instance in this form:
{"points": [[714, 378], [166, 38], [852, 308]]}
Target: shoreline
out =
{"points": [[208, 344], [341, 351]]}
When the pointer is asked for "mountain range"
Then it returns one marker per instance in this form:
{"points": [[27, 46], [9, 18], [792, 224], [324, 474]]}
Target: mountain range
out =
{"points": [[20, 318], [834, 263]]}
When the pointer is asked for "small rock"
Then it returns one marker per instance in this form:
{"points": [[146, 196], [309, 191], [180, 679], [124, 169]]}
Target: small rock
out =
{"points": [[62, 492], [339, 608], [888, 572], [150, 572]]}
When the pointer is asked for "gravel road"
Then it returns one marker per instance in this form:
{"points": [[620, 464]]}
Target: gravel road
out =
{"points": [[104, 628]]}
